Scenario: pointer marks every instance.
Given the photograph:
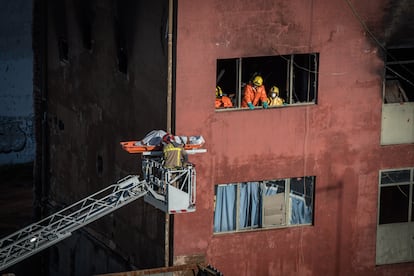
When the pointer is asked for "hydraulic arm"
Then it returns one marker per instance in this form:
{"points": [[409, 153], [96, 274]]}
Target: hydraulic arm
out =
{"points": [[170, 190], [38, 236]]}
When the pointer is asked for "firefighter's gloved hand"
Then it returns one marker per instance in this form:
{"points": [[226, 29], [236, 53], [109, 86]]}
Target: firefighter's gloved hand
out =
{"points": [[251, 106], [265, 105]]}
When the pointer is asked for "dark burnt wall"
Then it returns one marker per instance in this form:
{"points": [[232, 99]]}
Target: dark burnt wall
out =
{"points": [[106, 82], [398, 24], [337, 140]]}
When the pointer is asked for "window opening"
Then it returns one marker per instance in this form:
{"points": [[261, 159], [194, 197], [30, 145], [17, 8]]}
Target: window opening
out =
{"points": [[295, 77], [120, 37], [395, 216], [264, 204], [61, 30], [85, 18], [396, 189], [99, 164], [399, 75]]}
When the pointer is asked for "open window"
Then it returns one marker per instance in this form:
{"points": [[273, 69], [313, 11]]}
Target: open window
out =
{"points": [[398, 97], [395, 216], [61, 29], [399, 76], [296, 76], [264, 204]]}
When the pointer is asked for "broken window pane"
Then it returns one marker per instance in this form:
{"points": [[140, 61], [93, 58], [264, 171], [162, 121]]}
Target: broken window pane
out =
{"points": [[263, 204], [394, 204], [400, 176], [295, 77], [399, 75]]}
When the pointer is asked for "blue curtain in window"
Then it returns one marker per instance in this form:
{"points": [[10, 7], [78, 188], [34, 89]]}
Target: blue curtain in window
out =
{"points": [[249, 212], [225, 211], [301, 213], [271, 190]]}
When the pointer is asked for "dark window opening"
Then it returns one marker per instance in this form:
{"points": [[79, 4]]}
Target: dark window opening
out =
{"points": [[399, 75], [121, 50], [394, 202], [99, 165], [61, 125], [63, 49], [120, 39], [59, 12], [85, 18], [295, 77]]}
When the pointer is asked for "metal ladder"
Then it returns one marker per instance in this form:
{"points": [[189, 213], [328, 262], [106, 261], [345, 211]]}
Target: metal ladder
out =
{"points": [[49, 231]]}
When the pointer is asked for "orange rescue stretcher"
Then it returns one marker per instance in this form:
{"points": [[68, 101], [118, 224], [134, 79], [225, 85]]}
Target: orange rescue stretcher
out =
{"points": [[152, 142]]}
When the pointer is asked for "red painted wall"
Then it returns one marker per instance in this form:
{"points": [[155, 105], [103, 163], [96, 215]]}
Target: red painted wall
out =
{"points": [[337, 140]]}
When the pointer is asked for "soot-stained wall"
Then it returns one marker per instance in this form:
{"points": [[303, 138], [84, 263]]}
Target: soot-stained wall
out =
{"points": [[105, 82], [337, 140]]}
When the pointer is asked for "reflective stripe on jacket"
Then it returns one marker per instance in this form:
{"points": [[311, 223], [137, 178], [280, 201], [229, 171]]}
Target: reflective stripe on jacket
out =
{"points": [[173, 156]]}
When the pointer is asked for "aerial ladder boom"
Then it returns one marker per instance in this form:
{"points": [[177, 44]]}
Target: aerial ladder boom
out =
{"points": [[47, 232], [170, 190]]}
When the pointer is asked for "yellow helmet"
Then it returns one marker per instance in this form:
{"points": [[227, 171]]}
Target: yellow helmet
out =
{"points": [[275, 90], [258, 81], [219, 92]]}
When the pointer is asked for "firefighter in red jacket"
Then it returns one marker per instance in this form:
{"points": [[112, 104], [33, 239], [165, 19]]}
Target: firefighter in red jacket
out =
{"points": [[221, 99], [255, 92]]}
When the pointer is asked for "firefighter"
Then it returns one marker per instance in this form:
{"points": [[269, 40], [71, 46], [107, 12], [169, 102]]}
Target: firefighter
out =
{"points": [[221, 99], [255, 92], [174, 153], [274, 99], [175, 157]]}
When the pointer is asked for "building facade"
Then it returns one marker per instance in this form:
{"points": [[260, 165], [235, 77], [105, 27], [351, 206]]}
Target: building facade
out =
{"points": [[322, 184], [309, 188]]}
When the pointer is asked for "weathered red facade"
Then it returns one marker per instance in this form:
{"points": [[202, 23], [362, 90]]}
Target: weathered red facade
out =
{"points": [[102, 71], [337, 139]]}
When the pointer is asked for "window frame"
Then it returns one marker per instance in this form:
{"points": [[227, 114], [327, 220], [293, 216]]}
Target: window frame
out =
{"points": [[287, 203], [409, 183], [398, 74], [397, 122], [241, 70], [394, 236]]}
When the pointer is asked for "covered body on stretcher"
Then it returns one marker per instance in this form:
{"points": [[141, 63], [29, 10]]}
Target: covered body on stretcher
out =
{"points": [[153, 142]]}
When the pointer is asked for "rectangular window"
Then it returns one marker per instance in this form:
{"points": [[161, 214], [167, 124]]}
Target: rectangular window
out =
{"points": [[295, 77], [399, 76], [397, 124], [395, 216], [60, 21], [85, 16], [264, 204], [121, 37], [396, 188]]}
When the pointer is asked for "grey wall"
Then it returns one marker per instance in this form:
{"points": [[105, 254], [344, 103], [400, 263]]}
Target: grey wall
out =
{"points": [[16, 88]]}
